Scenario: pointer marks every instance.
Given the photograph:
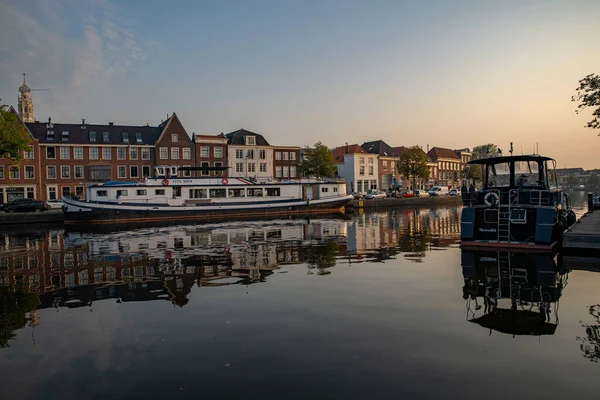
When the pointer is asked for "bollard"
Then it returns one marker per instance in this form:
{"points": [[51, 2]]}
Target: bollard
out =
{"points": [[590, 202]]}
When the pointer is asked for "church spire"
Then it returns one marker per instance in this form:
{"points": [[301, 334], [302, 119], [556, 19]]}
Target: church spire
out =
{"points": [[25, 102]]}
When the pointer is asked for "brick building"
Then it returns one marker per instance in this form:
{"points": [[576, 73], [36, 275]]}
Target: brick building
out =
{"points": [[211, 152], [389, 177], [449, 166], [286, 163]]}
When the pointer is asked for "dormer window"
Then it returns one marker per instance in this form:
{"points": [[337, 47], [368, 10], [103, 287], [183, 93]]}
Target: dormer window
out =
{"points": [[125, 137], [50, 135], [138, 137], [251, 140], [65, 136], [106, 137], [92, 136]]}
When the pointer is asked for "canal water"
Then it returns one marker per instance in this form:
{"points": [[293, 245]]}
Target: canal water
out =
{"points": [[374, 305]]}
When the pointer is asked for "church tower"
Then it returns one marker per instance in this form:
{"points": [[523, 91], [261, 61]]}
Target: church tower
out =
{"points": [[25, 102]]}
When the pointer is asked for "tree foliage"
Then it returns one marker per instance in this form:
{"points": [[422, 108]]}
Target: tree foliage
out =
{"points": [[13, 136], [572, 180], [590, 345], [588, 95], [318, 162], [593, 180], [412, 163], [14, 306], [473, 172]]}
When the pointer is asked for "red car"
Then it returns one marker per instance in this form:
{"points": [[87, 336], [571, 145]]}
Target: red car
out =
{"points": [[408, 194]]}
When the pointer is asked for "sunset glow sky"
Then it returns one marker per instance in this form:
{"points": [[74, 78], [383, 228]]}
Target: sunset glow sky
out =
{"points": [[445, 73]]}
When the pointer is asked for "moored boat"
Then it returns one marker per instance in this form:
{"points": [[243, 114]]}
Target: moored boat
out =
{"points": [[169, 197], [517, 206]]}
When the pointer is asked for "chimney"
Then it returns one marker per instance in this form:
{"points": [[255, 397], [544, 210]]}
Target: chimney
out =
{"points": [[82, 121], [347, 148], [428, 147], [111, 123]]}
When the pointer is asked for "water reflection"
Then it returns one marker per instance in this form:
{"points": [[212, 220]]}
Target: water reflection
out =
{"points": [[513, 293], [590, 344]]}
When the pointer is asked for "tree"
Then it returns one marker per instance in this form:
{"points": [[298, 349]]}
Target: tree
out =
{"points": [[412, 163], [593, 180], [13, 136], [318, 162], [588, 95], [590, 345], [473, 172], [322, 256], [572, 180]]}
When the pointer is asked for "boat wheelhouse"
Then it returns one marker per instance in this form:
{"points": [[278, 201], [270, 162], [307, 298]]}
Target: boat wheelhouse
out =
{"points": [[170, 197], [517, 206]]}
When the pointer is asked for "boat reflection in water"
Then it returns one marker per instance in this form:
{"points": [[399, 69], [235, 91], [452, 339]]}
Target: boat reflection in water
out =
{"points": [[513, 293]]}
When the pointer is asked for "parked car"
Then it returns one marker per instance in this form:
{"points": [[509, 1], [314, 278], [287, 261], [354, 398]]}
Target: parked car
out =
{"points": [[421, 193], [22, 205], [438, 190], [376, 194], [356, 195], [408, 194], [55, 204], [453, 192]]}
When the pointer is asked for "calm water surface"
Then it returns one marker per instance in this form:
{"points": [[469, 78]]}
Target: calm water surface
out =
{"points": [[379, 305]]}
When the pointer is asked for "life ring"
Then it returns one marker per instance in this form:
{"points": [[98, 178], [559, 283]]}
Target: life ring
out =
{"points": [[165, 182], [225, 181], [487, 201]]}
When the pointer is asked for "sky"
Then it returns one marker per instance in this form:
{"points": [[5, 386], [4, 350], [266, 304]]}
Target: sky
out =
{"points": [[445, 73]]}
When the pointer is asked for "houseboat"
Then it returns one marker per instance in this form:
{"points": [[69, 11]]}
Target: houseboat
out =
{"points": [[517, 206], [171, 198]]}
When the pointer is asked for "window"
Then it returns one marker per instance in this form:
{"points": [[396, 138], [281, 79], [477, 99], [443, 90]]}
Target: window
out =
{"points": [[174, 138], [164, 153], [218, 152], [255, 192], [370, 170], [286, 172], [134, 171], [384, 165], [92, 136], [145, 153], [1, 172], [284, 155], [198, 193], [14, 172], [94, 154], [51, 153], [324, 190], [122, 192], [204, 164], [145, 171], [133, 153], [218, 165], [99, 172], [239, 153], [187, 154], [65, 153], [361, 170], [175, 153], [79, 191], [263, 167], [138, 137], [239, 167], [121, 153], [122, 171], [79, 171], [251, 140], [373, 185], [250, 154], [251, 167], [78, 153], [292, 156], [106, 153], [29, 172], [105, 137], [52, 193], [335, 189], [51, 172], [292, 172], [28, 153], [141, 192], [278, 172], [65, 136], [50, 135], [187, 172], [237, 193], [65, 172], [66, 191], [102, 193], [361, 160], [217, 193], [125, 137], [370, 160], [204, 151], [278, 155], [273, 192]]}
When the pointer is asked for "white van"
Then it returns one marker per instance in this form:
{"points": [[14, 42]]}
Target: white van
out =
{"points": [[438, 191]]}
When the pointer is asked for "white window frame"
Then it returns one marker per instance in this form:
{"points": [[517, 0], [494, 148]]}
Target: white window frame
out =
{"points": [[124, 168], [293, 172], [239, 154], [284, 155], [29, 154], [278, 155], [164, 153], [48, 167], [239, 167], [292, 155], [121, 151], [251, 167], [137, 153], [174, 153], [186, 153], [12, 168], [204, 164], [97, 153], [278, 173], [251, 140], [174, 138], [204, 151], [48, 148], [75, 151], [218, 152], [262, 167], [145, 153], [31, 168], [68, 168], [138, 171], [75, 172], [104, 153]]}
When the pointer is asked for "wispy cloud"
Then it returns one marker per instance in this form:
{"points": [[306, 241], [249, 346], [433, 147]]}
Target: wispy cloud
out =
{"points": [[74, 48]]}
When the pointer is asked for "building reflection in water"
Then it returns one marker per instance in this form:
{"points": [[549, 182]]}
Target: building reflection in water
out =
{"points": [[513, 293], [52, 268]]}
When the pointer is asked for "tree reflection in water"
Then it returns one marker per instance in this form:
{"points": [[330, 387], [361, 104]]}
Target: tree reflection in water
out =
{"points": [[15, 307], [416, 239], [590, 345], [322, 257]]}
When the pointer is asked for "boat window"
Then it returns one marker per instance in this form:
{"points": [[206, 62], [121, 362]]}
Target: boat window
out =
{"points": [[121, 193], [237, 192], [216, 193], [159, 192], [527, 174], [198, 193], [255, 192], [141, 192], [273, 192], [498, 175], [102, 193]]}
